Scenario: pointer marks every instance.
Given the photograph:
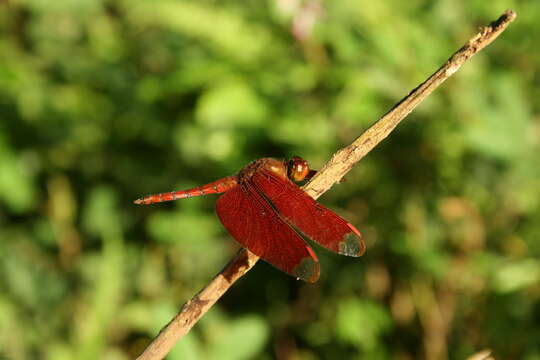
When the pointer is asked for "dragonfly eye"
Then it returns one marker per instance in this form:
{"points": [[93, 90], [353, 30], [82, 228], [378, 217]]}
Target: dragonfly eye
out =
{"points": [[297, 168]]}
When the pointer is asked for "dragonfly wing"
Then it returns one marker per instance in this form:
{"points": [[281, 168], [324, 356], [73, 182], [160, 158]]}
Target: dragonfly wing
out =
{"points": [[311, 218], [252, 221]]}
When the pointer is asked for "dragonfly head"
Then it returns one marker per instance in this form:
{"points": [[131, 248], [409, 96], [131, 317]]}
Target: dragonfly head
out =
{"points": [[297, 168]]}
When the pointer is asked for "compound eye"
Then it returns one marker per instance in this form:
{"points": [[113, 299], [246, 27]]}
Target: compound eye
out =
{"points": [[298, 168]]}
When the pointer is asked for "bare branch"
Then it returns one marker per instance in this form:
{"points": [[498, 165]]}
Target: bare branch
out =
{"points": [[195, 308], [341, 162]]}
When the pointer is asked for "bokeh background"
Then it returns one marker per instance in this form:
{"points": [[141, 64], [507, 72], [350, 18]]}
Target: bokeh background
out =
{"points": [[104, 101]]}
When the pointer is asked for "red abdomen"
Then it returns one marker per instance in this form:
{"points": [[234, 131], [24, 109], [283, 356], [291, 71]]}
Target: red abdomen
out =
{"points": [[215, 187]]}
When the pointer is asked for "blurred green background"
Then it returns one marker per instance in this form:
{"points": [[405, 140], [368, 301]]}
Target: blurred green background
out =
{"points": [[104, 101]]}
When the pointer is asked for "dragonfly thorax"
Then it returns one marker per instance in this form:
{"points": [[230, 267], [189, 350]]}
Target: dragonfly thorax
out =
{"points": [[277, 167]]}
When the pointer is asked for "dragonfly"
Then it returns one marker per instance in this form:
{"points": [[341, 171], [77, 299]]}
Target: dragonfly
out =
{"points": [[267, 213]]}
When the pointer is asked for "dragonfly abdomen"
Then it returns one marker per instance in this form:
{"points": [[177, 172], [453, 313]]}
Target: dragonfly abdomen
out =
{"points": [[215, 187]]}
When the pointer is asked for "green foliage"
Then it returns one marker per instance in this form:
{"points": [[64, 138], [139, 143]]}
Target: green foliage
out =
{"points": [[362, 323], [102, 102]]}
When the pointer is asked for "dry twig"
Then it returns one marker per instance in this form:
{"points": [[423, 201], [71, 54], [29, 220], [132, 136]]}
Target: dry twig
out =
{"points": [[482, 355], [341, 162]]}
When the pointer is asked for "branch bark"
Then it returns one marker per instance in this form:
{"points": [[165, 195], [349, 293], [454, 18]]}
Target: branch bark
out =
{"points": [[341, 162]]}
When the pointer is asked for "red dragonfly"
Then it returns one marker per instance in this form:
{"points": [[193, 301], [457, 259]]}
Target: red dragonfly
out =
{"points": [[270, 216]]}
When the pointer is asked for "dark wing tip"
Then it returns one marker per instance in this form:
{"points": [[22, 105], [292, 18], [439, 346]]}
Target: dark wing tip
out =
{"points": [[352, 243], [308, 270]]}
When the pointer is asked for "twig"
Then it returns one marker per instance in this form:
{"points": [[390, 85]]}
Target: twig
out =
{"points": [[341, 162], [195, 308], [482, 355]]}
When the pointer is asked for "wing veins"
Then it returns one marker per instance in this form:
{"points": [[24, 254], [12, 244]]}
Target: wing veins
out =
{"points": [[313, 219], [264, 232]]}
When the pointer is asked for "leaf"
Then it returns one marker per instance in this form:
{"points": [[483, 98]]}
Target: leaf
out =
{"points": [[243, 338], [517, 275], [362, 323], [230, 102]]}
